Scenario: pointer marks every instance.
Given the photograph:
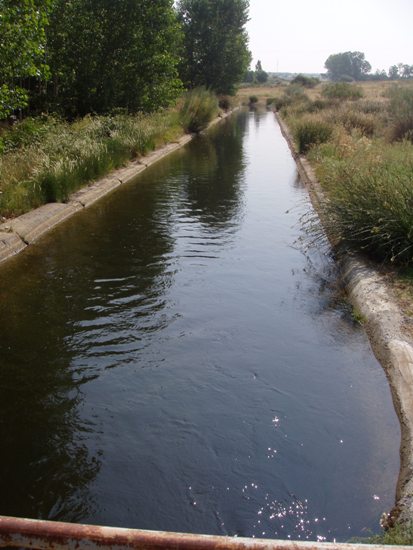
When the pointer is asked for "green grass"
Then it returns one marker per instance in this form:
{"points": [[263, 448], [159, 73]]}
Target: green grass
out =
{"points": [[45, 160]]}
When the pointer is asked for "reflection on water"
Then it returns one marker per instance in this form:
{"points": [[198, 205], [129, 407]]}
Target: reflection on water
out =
{"points": [[174, 358]]}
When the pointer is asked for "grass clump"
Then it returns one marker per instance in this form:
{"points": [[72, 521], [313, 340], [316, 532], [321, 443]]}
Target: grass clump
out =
{"points": [[401, 113], [370, 199], [399, 535], [342, 91], [311, 131], [199, 107]]}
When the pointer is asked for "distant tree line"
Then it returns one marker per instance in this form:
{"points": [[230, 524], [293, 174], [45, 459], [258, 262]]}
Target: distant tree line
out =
{"points": [[259, 76], [349, 66], [94, 56]]}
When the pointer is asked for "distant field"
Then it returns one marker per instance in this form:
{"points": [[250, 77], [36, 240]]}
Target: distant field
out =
{"points": [[372, 90]]}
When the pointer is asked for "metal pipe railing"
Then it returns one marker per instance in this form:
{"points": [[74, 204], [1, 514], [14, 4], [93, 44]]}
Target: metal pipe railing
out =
{"points": [[48, 535]]}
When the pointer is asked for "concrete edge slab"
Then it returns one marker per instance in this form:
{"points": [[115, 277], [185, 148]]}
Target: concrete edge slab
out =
{"points": [[90, 194], [32, 225], [10, 244], [19, 232], [383, 321]]}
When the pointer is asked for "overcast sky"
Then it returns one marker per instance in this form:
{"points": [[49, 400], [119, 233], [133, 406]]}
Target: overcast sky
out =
{"points": [[299, 35]]}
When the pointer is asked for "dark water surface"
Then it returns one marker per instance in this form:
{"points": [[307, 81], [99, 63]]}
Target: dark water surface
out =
{"points": [[174, 359]]}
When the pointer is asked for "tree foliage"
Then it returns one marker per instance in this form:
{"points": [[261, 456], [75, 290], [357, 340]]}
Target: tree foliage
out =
{"points": [[347, 66], [22, 49], [215, 52], [105, 55], [401, 70]]}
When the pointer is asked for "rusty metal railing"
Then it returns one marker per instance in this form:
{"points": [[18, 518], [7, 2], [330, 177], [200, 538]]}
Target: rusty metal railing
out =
{"points": [[48, 535]]}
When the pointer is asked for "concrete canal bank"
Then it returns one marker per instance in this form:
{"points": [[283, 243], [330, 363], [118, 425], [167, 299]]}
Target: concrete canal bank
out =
{"points": [[391, 340]]}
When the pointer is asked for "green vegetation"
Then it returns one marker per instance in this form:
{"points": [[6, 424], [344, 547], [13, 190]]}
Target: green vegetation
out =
{"points": [[310, 131], [215, 43], [362, 152], [45, 159], [347, 66], [199, 107], [22, 50], [400, 535], [108, 75], [342, 90], [401, 113], [306, 81], [111, 55]]}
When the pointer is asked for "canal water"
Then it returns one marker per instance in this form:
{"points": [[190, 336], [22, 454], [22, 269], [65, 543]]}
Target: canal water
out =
{"points": [[179, 358]]}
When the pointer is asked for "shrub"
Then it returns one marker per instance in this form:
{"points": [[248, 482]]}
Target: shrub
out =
{"points": [[225, 103], [401, 113], [200, 106], [316, 106], [342, 90], [306, 81], [253, 99], [352, 119], [310, 131]]}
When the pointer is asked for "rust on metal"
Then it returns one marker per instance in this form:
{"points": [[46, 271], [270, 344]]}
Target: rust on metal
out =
{"points": [[48, 535]]}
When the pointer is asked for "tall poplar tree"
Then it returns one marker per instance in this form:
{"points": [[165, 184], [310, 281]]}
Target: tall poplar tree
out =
{"points": [[22, 50], [107, 54], [215, 52]]}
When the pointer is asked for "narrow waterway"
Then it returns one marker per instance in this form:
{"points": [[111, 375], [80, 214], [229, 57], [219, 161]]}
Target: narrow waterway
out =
{"points": [[177, 358]]}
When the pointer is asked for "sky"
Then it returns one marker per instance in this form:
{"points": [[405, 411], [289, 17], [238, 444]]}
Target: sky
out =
{"points": [[299, 35]]}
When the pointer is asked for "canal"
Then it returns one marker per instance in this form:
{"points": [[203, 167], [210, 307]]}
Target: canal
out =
{"points": [[179, 358]]}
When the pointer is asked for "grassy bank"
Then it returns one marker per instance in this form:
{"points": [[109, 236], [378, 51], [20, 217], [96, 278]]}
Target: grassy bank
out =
{"points": [[360, 142], [45, 159]]}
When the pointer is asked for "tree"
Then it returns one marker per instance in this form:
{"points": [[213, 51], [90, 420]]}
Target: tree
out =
{"points": [[260, 75], [22, 50], [105, 55], [394, 72], [215, 52], [347, 66]]}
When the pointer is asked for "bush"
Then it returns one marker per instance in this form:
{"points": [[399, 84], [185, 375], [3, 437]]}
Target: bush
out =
{"points": [[200, 106], [306, 81], [253, 99], [352, 119], [342, 90], [370, 200], [401, 113], [225, 103], [311, 131], [317, 105]]}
